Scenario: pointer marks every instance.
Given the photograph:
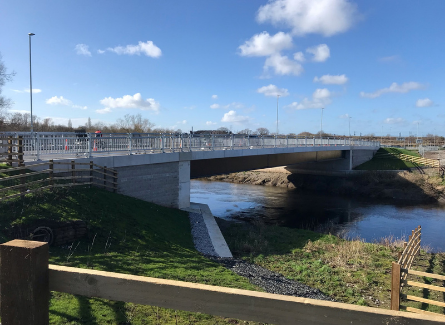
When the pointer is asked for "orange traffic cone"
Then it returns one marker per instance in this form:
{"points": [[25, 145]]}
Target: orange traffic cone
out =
{"points": [[94, 148], [66, 144]]}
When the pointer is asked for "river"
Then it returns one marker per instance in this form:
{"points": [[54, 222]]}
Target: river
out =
{"points": [[349, 217]]}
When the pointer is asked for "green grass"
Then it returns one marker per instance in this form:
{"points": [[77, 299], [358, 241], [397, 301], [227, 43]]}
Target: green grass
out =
{"points": [[389, 163], [350, 271], [130, 236]]}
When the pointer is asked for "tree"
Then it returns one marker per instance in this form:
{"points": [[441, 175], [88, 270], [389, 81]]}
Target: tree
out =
{"points": [[134, 123], [245, 131], [262, 131], [70, 124], [223, 130], [5, 103]]}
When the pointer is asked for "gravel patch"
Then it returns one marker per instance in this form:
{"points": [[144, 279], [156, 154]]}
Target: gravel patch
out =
{"points": [[270, 281], [201, 238]]}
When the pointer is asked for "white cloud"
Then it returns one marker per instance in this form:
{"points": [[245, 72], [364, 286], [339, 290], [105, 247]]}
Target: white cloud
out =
{"points": [[100, 51], [344, 116], [282, 65], [273, 90], [147, 48], [64, 101], [393, 120], [328, 79], [426, 102], [326, 17], [264, 45], [128, 101], [82, 49], [214, 96], [21, 111], [182, 122], [321, 52], [299, 56], [320, 99], [105, 110], [394, 88], [228, 106], [233, 117], [210, 123], [190, 107], [391, 58], [80, 107], [34, 90], [58, 101]]}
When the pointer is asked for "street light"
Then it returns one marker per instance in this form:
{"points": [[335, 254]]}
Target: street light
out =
{"points": [[321, 124], [30, 79], [350, 125], [278, 96]]}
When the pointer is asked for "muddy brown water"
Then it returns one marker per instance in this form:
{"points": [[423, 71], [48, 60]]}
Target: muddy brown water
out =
{"points": [[349, 217]]}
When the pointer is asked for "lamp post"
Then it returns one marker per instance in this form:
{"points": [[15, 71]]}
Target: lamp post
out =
{"points": [[349, 125], [321, 124], [30, 79], [278, 96]]}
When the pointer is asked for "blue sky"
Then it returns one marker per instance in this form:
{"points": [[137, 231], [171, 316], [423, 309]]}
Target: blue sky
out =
{"points": [[210, 64]]}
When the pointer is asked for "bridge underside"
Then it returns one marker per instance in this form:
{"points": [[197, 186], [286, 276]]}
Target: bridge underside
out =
{"points": [[210, 167]]}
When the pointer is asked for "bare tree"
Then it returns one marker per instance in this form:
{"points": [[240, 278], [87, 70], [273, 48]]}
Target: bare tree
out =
{"points": [[5, 103], [245, 131], [262, 131], [70, 124], [134, 123]]}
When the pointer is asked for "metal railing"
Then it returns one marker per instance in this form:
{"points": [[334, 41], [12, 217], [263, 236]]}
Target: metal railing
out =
{"points": [[90, 144]]}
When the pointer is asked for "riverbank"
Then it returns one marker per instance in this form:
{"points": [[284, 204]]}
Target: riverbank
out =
{"points": [[349, 271], [401, 186]]}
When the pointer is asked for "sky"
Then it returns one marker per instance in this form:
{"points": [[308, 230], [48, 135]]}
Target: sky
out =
{"points": [[374, 65]]}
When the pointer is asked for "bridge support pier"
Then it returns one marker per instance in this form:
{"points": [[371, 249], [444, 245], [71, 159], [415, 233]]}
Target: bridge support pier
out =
{"points": [[166, 184]]}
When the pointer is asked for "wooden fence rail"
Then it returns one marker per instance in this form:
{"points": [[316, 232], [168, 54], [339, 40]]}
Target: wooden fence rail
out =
{"points": [[55, 176], [417, 160], [399, 274], [27, 278]]}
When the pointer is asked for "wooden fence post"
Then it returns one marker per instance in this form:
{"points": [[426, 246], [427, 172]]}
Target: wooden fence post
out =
{"points": [[91, 174], [24, 283], [51, 173], [20, 152], [73, 173], [9, 163], [395, 286]]}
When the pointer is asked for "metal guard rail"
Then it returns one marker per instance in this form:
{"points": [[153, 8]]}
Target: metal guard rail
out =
{"points": [[90, 144]]}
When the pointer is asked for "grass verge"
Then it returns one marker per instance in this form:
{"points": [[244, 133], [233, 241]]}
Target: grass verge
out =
{"points": [[126, 235], [382, 162], [350, 271]]}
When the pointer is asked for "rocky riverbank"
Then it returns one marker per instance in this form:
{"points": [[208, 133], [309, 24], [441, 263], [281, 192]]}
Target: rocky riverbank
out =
{"points": [[401, 186]]}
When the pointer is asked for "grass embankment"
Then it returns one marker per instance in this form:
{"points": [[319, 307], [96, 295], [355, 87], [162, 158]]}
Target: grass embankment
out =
{"points": [[126, 235], [350, 271], [383, 161]]}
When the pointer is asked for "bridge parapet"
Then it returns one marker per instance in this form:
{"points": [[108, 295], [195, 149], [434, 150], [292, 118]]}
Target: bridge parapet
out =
{"points": [[38, 145]]}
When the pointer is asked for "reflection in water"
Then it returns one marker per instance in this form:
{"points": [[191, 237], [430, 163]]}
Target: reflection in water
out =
{"points": [[354, 217]]}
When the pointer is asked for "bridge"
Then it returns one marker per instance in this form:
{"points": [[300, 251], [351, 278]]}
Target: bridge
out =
{"points": [[158, 167]]}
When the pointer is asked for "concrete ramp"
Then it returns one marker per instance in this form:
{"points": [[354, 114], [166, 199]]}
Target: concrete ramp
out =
{"points": [[217, 238]]}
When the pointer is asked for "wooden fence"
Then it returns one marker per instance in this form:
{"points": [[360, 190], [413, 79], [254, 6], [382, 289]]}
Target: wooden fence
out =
{"points": [[58, 174], [10, 155], [27, 279], [399, 274]]}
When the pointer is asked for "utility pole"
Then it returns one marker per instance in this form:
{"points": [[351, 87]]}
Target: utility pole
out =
{"points": [[321, 124]]}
